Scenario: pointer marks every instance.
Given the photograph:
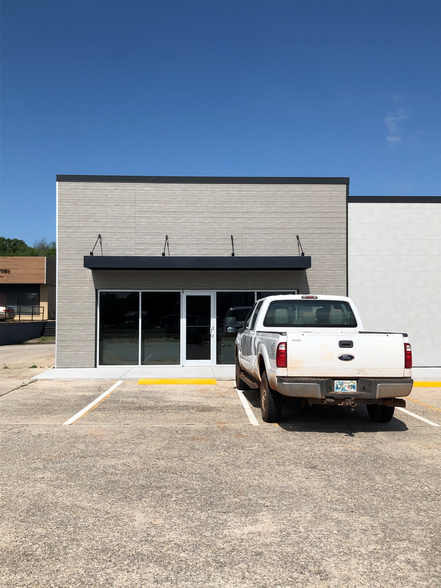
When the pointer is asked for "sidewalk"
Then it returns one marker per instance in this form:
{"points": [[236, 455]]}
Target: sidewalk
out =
{"points": [[219, 372], [426, 374]]}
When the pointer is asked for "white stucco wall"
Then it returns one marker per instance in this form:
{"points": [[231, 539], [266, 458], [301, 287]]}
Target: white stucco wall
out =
{"points": [[395, 271]]}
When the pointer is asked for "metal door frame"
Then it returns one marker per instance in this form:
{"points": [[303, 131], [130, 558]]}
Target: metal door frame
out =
{"points": [[198, 362]]}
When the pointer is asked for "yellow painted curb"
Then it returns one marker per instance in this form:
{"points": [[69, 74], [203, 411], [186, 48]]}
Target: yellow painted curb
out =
{"points": [[427, 384], [423, 404], [188, 381]]}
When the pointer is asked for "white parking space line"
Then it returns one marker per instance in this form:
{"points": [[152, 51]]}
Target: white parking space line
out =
{"points": [[418, 417], [92, 404], [247, 408]]}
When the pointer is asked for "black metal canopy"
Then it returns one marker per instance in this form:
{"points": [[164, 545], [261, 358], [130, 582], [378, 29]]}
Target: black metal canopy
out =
{"points": [[110, 262]]}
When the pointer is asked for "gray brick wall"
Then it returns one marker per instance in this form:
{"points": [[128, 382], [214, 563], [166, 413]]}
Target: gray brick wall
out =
{"points": [[133, 219]]}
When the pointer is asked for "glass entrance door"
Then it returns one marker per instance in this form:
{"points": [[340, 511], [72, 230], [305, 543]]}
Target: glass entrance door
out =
{"points": [[198, 329]]}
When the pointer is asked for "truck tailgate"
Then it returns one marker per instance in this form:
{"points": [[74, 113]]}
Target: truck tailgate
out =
{"points": [[374, 355]]}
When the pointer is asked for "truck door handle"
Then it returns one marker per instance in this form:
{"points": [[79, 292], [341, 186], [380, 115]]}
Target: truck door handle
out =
{"points": [[346, 344]]}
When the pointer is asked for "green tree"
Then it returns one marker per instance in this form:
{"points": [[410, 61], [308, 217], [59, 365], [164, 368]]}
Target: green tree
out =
{"points": [[18, 248], [15, 247], [45, 249]]}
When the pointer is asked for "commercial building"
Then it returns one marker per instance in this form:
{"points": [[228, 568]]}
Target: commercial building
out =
{"points": [[162, 270], [163, 286], [27, 284]]}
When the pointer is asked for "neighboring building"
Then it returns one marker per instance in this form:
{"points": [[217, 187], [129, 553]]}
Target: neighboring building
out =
{"points": [[142, 300], [395, 269], [28, 285]]}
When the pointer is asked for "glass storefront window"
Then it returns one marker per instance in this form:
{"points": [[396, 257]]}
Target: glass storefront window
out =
{"points": [[119, 328], [161, 342], [161, 315], [198, 322], [23, 296], [232, 310]]}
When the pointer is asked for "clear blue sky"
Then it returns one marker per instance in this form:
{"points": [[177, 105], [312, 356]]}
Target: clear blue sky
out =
{"points": [[216, 88]]}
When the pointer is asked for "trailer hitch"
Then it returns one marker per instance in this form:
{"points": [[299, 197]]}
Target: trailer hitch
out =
{"points": [[349, 402]]}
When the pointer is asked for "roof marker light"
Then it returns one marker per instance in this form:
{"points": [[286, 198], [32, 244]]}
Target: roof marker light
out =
{"points": [[309, 297]]}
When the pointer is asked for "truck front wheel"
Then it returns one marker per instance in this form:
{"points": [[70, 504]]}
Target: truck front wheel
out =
{"points": [[380, 413], [270, 402]]}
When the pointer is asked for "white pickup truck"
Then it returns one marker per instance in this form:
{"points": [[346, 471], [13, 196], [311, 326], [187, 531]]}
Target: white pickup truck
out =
{"points": [[314, 348]]}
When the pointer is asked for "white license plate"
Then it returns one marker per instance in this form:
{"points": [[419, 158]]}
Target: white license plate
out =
{"points": [[345, 386]]}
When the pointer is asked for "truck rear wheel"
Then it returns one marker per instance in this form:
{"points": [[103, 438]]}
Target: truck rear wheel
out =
{"points": [[240, 384], [380, 413], [270, 401]]}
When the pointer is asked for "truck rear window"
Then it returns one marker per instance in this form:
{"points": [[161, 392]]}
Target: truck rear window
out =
{"points": [[309, 313]]}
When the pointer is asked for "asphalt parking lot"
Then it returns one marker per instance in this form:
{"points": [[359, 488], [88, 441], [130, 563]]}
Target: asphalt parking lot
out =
{"points": [[174, 486]]}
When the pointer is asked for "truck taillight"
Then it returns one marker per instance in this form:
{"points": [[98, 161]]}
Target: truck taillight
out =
{"points": [[407, 356], [281, 360]]}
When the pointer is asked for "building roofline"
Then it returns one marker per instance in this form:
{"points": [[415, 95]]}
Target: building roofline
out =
{"points": [[395, 199], [199, 180]]}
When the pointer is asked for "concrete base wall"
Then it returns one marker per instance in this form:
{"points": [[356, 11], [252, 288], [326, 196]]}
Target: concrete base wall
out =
{"points": [[11, 333]]}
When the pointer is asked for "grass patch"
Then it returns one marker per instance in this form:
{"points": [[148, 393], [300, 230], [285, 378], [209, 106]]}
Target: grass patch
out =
{"points": [[47, 340], [32, 367], [5, 367]]}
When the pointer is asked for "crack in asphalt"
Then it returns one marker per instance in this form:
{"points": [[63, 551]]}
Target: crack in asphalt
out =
{"points": [[18, 387]]}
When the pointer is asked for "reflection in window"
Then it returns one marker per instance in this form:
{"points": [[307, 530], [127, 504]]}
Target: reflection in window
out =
{"points": [[161, 313], [232, 309], [23, 296], [311, 313], [198, 335], [119, 328]]}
